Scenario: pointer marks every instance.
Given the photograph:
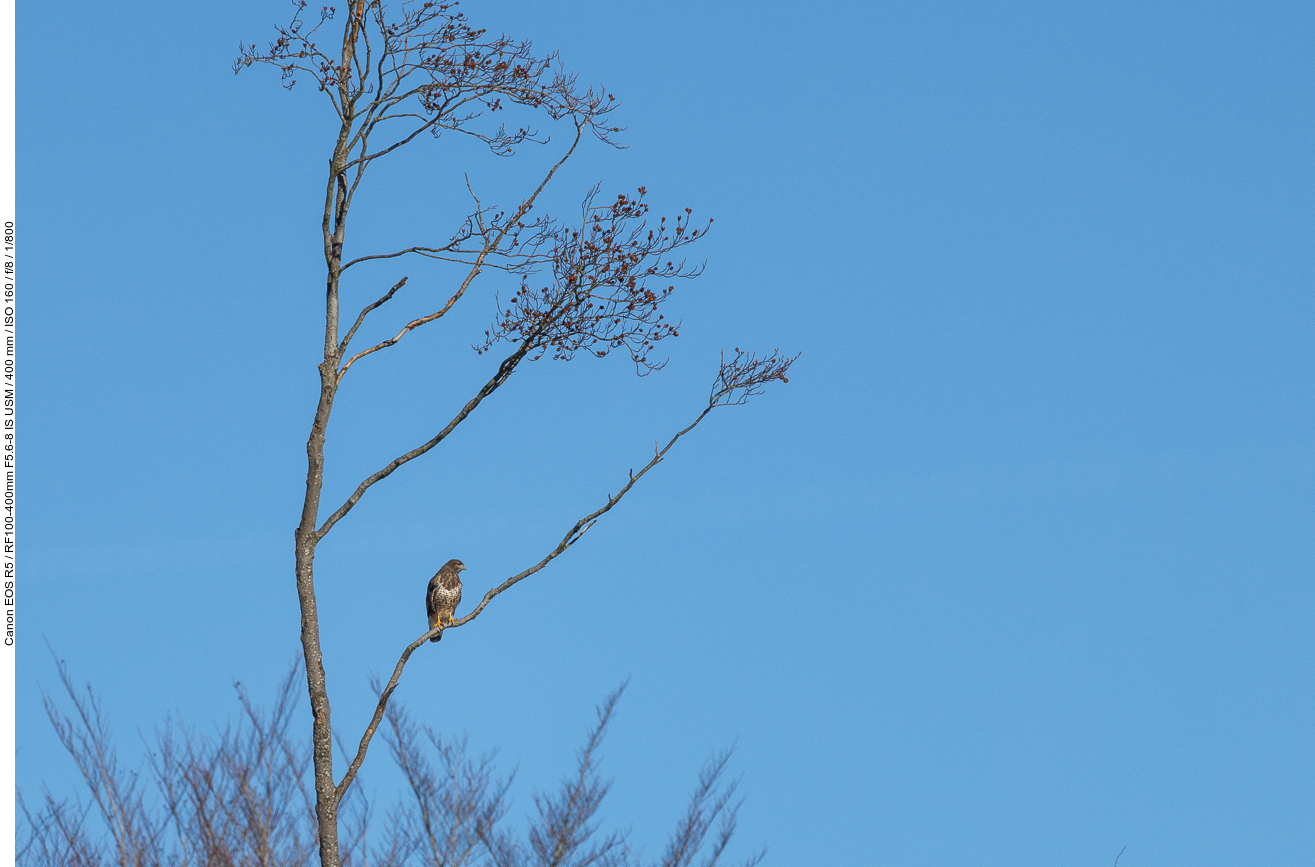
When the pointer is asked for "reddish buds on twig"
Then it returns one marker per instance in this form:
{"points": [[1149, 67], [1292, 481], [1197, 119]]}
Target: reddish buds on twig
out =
{"points": [[745, 375], [598, 299]]}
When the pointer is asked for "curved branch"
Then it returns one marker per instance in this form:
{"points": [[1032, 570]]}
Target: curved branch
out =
{"points": [[342, 347], [576, 533], [369, 158], [504, 372], [490, 247], [410, 326], [583, 525], [355, 766], [517, 267], [737, 380], [421, 250]]}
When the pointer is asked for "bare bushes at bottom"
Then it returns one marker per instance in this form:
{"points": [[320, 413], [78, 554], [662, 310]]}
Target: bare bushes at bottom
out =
{"points": [[243, 796]]}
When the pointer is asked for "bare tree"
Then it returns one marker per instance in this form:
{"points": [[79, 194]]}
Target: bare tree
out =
{"points": [[56, 835], [582, 284], [455, 804], [242, 797], [239, 797], [116, 794]]}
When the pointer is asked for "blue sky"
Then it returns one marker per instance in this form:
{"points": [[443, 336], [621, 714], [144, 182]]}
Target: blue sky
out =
{"points": [[1017, 568]]}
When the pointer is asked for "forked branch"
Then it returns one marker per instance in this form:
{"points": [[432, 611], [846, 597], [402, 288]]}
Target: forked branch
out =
{"points": [[500, 232], [351, 332], [410, 326], [736, 381], [598, 301]]}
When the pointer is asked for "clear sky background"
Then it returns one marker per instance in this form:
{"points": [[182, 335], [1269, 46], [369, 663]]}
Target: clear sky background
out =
{"points": [[1016, 570]]}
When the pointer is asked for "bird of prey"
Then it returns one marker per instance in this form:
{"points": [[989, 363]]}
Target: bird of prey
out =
{"points": [[444, 595]]}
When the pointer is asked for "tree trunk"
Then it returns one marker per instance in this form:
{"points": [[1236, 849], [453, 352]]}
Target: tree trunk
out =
{"points": [[326, 807], [336, 205], [326, 796]]}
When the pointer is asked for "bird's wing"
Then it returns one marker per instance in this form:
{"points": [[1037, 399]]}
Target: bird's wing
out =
{"points": [[430, 607]]}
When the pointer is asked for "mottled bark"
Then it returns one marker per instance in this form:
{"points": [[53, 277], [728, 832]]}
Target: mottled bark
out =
{"points": [[335, 229], [326, 801]]}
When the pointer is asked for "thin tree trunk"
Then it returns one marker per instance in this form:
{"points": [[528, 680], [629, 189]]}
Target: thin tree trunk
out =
{"points": [[326, 808], [326, 799], [334, 227]]}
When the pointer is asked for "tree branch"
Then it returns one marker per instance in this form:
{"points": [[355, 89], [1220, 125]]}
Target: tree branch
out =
{"points": [[581, 526], [504, 372], [490, 247], [342, 347], [421, 250], [410, 326], [743, 376], [736, 381], [379, 711]]}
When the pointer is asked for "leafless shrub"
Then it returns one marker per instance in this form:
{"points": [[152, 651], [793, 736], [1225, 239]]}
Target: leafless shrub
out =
{"points": [[564, 832], [117, 795], [242, 797], [712, 800], [56, 835], [455, 801]]}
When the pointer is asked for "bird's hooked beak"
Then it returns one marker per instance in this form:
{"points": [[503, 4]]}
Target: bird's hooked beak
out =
{"points": [[461, 568]]}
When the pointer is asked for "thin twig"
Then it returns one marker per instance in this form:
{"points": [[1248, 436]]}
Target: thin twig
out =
{"points": [[581, 526], [342, 347], [475, 269]]}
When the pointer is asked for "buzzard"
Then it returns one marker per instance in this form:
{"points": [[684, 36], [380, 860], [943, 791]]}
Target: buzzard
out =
{"points": [[444, 595]]}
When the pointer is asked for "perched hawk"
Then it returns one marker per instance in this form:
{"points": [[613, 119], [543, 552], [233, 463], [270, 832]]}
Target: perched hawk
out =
{"points": [[444, 595]]}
